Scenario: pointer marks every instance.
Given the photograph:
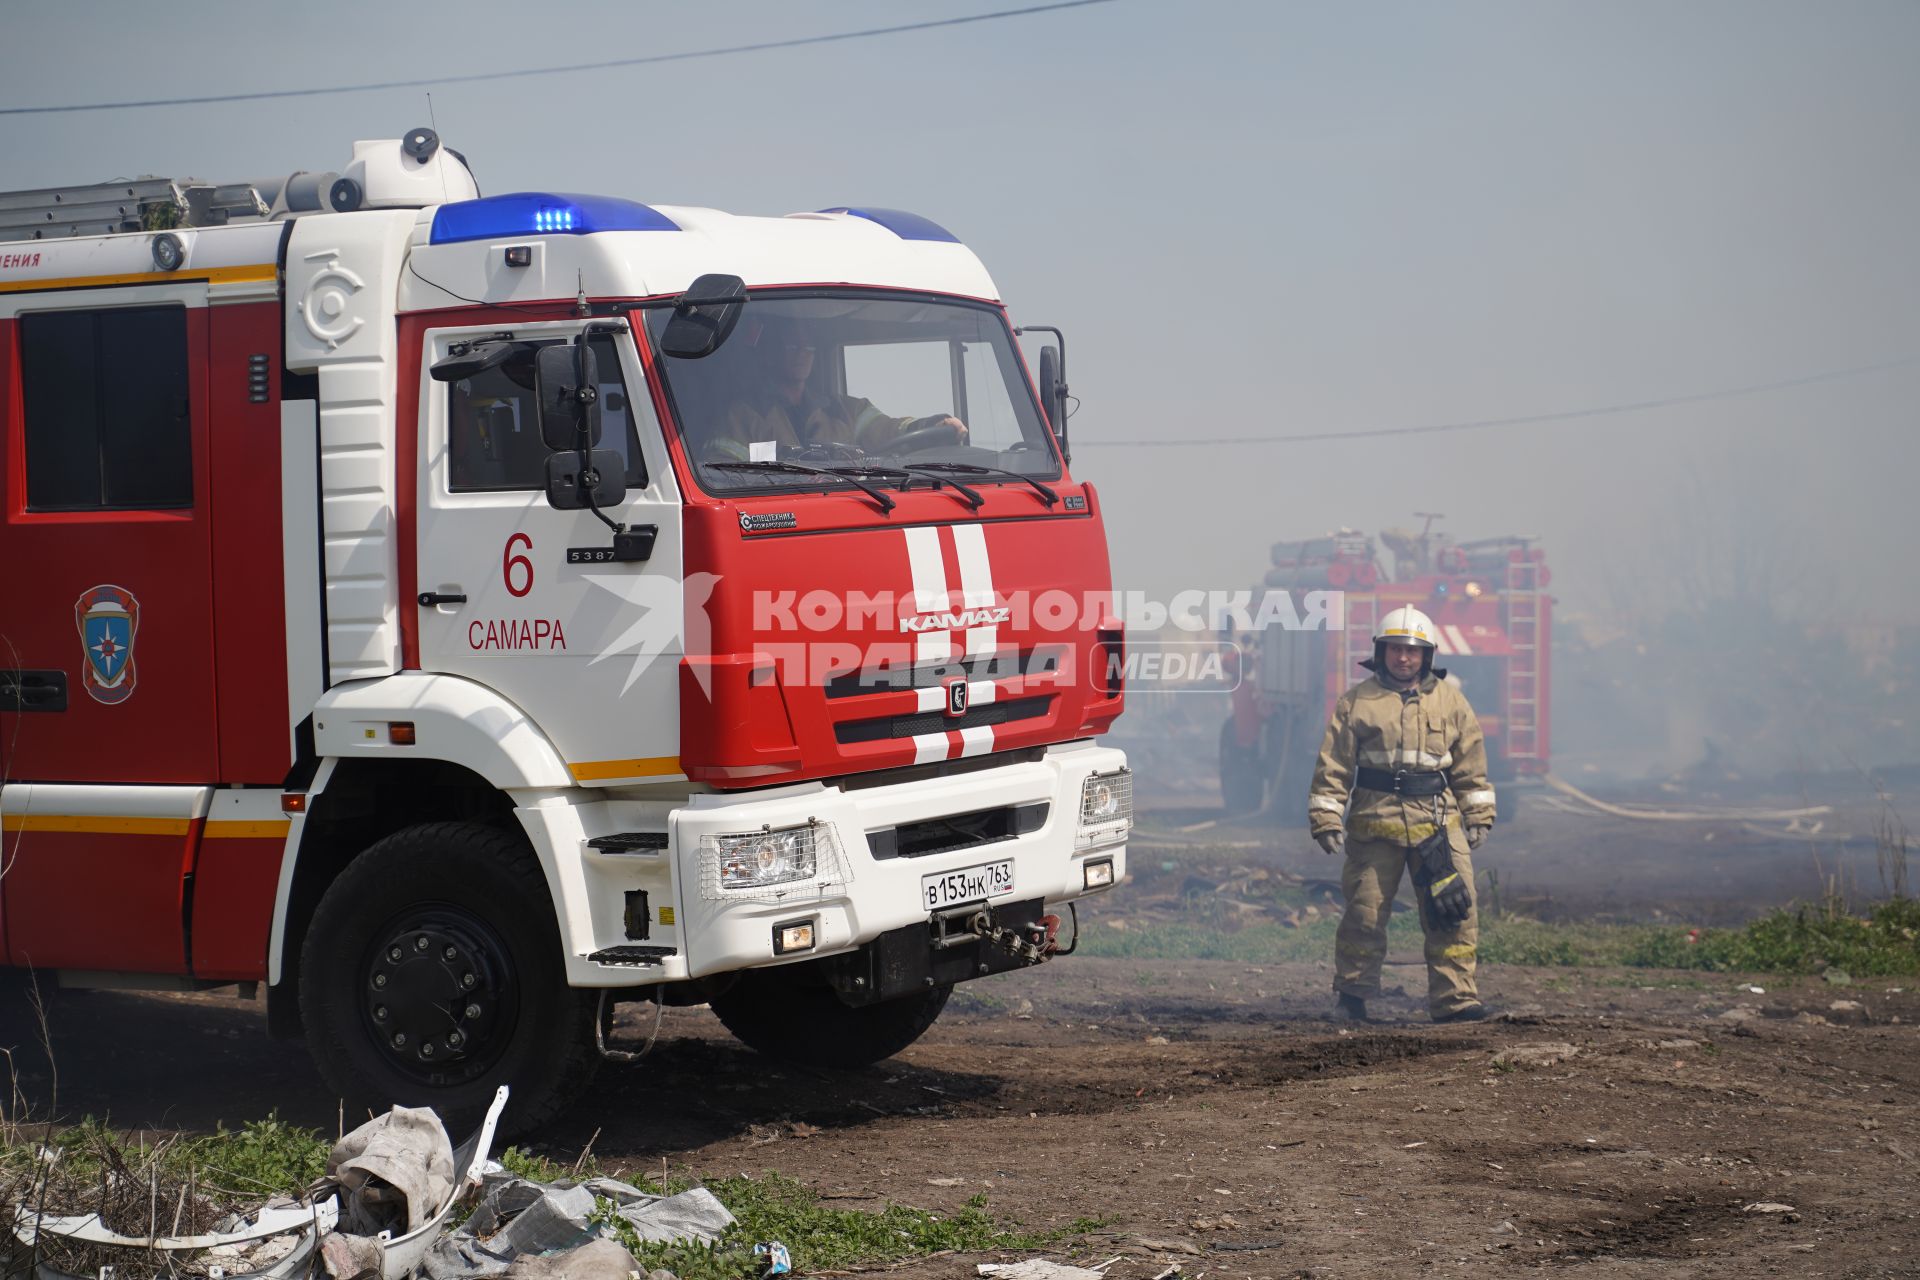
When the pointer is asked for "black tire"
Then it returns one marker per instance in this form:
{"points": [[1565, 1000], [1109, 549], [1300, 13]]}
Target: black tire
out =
{"points": [[1242, 788], [811, 1025], [430, 915]]}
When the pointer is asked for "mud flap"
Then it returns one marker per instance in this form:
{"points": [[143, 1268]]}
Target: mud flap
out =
{"points": [[948, 947]]}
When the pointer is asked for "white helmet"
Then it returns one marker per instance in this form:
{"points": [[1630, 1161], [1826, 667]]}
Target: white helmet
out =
{"points": [[1407, 625]]}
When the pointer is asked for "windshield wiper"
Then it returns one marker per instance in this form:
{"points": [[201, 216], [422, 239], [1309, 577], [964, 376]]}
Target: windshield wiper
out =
{"points": [[970, 469], [834, 473]]}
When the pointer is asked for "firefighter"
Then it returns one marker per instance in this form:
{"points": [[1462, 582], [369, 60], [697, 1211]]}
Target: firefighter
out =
{"points": [[786, 407], [1401, 785]]}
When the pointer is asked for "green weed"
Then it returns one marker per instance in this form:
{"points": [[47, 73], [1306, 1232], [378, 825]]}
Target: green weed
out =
{"points": [[776, 1207]]}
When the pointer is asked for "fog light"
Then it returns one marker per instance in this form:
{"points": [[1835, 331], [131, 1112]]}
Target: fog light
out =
{"points": [[797, 935], [1100, 874]]}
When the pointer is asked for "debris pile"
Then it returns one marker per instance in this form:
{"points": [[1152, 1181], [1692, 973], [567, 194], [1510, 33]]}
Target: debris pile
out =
{"points": [[388, 1208]]}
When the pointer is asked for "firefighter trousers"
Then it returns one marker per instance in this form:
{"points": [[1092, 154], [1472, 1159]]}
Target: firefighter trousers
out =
{"points": [[1370, 879]]}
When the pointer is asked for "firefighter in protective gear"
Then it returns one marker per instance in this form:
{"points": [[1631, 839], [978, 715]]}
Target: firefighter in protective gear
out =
{"points": [[788, 408], [1401, 785]]}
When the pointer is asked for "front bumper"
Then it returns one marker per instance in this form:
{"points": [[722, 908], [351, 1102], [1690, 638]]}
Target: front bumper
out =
{"points": [[722, 931], [663, 916]]}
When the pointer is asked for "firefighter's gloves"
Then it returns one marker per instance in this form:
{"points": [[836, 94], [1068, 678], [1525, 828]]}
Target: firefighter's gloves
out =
{"points": [[1333, 842], [1436, 876], [1476, 836]]}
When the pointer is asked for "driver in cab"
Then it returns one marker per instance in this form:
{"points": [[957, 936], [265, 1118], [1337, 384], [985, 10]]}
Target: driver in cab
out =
{"points": [[784, 406]]}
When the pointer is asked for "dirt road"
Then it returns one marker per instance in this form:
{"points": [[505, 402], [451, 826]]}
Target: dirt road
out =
{"points": [[1206, 1113]]}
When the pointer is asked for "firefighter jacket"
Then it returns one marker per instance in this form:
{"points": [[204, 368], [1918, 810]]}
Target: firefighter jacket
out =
{"points": [[1427, 727]]}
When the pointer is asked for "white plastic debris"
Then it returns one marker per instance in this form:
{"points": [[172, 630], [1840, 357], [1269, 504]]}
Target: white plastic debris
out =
{"points": [[393, 1172], [519, 1218]]}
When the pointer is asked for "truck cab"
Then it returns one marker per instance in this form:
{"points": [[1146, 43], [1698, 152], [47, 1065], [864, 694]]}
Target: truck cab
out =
{"points": [[463, 613]]}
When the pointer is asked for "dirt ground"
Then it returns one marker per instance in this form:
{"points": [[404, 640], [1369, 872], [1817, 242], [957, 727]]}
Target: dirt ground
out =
{"points": [[1208, 1114]]}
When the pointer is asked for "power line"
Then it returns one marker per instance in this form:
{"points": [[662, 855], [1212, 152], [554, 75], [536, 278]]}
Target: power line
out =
{"points": [[1568, 415], [567, 70]]}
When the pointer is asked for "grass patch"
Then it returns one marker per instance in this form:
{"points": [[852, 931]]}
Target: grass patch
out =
{"points": [[1884, 943], [819, 1237], [1254, 944], [1802, 940], [265, 1158]]}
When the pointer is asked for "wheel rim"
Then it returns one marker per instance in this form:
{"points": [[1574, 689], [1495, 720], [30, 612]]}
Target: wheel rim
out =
{"points": [[438, 994]]}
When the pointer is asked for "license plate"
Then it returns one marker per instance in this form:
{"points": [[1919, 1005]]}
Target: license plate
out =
{"points": [[969, 884]]}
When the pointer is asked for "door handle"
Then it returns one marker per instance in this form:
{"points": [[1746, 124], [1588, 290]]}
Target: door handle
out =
{"points": [[428, 599], [33, 690]]}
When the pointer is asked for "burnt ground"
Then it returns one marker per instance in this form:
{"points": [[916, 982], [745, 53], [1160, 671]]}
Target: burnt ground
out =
{"points": [[1208, 1114]]}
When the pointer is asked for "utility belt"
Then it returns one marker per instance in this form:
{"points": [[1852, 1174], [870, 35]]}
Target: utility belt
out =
{"points": [[1403, 782]]}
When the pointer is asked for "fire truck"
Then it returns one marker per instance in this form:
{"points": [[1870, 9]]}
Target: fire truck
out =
{"points": [[1488, 599], [462, 613]]}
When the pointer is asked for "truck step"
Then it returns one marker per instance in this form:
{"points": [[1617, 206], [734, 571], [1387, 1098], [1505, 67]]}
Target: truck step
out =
{"points": [[631, 843], [634, 955]]}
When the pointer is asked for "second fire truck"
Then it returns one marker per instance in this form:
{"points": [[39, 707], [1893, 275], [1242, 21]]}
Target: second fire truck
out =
{"points": [[1488, 599]]}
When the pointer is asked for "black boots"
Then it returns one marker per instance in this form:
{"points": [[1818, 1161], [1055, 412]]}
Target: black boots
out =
{"points": [[1350, 1009], [1472, 1013]]}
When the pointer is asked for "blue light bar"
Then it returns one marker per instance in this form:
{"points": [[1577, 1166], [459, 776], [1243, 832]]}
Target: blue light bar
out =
{"points": [[542, 213], [908, 226]]}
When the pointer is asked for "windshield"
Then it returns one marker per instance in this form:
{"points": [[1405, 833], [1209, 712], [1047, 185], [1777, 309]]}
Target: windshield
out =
{"points": [[832, 380]]}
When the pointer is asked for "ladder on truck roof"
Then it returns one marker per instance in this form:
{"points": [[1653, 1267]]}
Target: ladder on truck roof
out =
{"points": [[136, 204], [1523, 668]]}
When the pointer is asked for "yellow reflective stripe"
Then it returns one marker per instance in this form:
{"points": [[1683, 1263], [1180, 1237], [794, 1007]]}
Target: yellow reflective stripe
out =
{"points": [[601, 770], [1403, 757], [208, 275], [1408, 833], [1457, 951], [1473, 799], [248, 829], [95, 824]]}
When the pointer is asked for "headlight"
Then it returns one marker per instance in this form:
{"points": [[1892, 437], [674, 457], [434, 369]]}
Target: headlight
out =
{"points": [[772, 863], [1106, 808]]}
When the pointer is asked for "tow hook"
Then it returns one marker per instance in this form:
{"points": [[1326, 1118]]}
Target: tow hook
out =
{"points": [[1032, 943]]}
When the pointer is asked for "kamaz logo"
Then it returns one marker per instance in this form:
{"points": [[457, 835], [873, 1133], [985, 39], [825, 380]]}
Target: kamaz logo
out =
{"points": [[957, 621]]}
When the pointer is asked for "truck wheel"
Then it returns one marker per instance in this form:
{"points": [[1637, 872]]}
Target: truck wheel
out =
{"points": [[811, 1025], [432, 974]]}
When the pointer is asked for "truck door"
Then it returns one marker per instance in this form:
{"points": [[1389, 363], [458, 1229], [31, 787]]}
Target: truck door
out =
{"points": [[588, 647], [105, 634]]}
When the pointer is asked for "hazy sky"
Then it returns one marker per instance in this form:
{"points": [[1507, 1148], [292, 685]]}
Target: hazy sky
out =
{"points": [[1251, 219]]}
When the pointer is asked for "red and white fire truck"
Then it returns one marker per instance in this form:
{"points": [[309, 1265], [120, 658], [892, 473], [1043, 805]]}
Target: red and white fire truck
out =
{"points": [[462, 613], [1488, 599]]}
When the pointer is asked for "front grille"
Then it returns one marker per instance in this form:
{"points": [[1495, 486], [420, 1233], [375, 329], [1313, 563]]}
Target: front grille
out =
{"points": [[1002, 664], [881, 728], [957, 831]]}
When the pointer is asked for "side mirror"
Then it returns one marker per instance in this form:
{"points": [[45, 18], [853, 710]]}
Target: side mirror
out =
{"points": [[568, 484], [566, 383], [1053, 394], [704, 317], [477, 357]]}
